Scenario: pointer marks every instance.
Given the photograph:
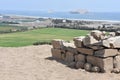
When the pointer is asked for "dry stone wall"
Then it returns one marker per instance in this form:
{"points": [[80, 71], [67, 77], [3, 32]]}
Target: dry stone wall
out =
{"points": [[95, 52]]}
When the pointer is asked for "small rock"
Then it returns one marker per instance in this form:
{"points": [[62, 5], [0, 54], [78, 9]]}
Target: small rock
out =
{"points": [[87, 67], [111, 34], [72, 64], [115, 70], [95, 69], [80, 64], [117, 33]]}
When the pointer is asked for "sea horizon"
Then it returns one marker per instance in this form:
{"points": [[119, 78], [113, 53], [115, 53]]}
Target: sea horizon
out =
{"points": [[91, 16]]}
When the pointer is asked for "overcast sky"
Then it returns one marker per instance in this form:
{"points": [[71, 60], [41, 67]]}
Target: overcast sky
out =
{"points": [[61, 5]]}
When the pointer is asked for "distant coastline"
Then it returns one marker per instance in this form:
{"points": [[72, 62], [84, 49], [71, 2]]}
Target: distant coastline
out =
{"points": [[111, 17], [66, 18], [34, 22]]}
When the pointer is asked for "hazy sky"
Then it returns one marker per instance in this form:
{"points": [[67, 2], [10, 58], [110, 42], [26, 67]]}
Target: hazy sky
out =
{"points": [[61, 5]]}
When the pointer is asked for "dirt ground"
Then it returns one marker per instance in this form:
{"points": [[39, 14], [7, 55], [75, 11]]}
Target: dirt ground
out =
{"points": [[35, 63]]}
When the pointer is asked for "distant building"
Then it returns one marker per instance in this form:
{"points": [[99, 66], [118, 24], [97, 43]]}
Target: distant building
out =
{"points": [[64, 20], [1, 16], [107, 25]]}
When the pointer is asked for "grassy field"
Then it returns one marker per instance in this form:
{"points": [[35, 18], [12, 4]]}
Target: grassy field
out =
{"points": [[46, 34], [7, 28]]}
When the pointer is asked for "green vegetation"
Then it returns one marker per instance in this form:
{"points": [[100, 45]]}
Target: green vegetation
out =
{"points": [[39, 35], [9, 28]]}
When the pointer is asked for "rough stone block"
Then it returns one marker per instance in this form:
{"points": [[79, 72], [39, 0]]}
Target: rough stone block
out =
{"points": [[89, 40], [85, 51], [106, 52], [66, 44], [56, 53], [117, 62], [57, 43], [72, 50], [80, 58], [117, 33], [115, 70], [69, 57], [105, 64], [72, 64], [80, 64], [111, 34], [119, 51], [70, 47], [98, 35], [78, 41], [95, 47], [112, 42]]}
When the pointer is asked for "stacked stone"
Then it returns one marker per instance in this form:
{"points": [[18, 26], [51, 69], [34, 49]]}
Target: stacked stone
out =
{"points": [[64, 51], [95, 52], [100, 51]]}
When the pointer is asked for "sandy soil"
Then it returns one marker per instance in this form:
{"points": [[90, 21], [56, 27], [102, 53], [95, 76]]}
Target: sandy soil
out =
{"points": [[35, 63]]}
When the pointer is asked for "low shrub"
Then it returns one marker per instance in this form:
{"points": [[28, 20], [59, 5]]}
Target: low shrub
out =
{"points": [[42, 43]]}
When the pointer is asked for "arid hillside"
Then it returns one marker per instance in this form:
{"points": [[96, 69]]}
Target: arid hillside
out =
{"points": [[36, 63]]}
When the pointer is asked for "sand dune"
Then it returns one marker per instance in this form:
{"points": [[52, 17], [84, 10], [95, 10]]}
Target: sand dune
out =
{"points": [[35, 63]]}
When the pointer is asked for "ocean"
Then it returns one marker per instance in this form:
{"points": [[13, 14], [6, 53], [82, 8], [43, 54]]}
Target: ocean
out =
{"points": [[113, 16]]}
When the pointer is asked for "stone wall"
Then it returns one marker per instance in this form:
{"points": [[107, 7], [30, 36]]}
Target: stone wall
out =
{"points": [[95, 52]]}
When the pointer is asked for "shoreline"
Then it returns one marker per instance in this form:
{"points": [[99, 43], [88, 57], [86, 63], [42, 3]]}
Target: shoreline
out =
{"points": [[97, 20]]}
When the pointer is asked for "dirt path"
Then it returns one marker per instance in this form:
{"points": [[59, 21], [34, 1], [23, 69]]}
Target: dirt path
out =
{"points": [[34, 63]]}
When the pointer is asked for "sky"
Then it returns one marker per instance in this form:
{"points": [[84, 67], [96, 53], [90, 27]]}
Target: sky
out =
{"points": [[61, 5]]}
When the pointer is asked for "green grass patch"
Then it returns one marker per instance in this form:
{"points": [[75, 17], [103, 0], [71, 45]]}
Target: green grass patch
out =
{"points": [[6, 28], [40, 35]]}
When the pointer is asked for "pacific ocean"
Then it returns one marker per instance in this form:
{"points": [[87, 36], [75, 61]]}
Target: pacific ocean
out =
{"points": [[113, 16]]}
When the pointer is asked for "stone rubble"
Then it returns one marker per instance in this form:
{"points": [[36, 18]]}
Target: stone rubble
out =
{"points": [[95, 52]]}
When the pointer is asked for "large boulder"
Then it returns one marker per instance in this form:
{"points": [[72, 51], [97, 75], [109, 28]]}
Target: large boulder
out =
{"points": [[106, 52], [117, 33], [105, 64], [57, 44], [56, 53], [72, 64], [78, 41], [113, 42], [80, 58], [69, 57], [88, 40], [111, 34], [70, 47], [116, 62], [95, 47], [98, 35], [85, 51]]}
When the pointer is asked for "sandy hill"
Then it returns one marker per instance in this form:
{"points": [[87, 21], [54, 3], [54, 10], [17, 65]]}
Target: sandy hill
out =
{"points": [[35, 63]]}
